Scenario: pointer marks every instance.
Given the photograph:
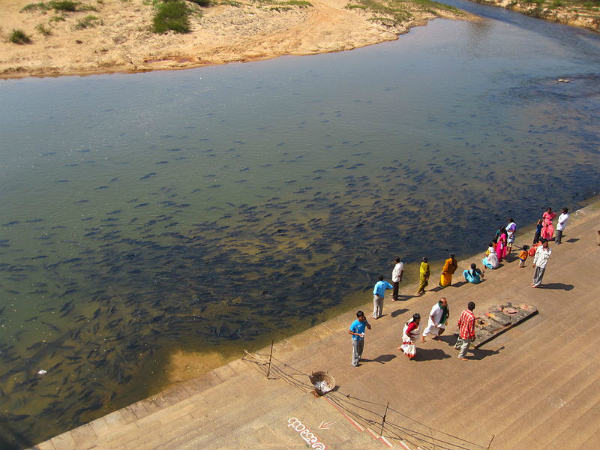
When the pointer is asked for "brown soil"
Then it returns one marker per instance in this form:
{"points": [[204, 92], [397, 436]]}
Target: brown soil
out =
{"points": [[569, 13], [122, 41]]}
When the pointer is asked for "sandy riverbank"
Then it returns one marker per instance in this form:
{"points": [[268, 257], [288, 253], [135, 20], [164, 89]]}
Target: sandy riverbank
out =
{"points": [[119, 37]]}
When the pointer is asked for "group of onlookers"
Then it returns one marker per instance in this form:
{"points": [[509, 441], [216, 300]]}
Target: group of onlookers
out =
{"points": [[499, 248]]}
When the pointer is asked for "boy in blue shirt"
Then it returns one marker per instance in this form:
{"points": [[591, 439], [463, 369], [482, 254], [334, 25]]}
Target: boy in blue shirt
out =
{"points": [[378, 295], [357, 330]]}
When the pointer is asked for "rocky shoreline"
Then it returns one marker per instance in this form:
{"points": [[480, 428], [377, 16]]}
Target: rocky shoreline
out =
{"points": [[555, 11]]}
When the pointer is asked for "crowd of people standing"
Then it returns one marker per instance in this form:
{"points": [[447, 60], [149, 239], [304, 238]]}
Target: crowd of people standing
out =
{"points": [[499, 249]]}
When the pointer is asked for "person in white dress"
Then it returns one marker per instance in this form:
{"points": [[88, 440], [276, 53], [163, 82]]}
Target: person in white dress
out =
{"points": [[410, 334], [438, 317]]}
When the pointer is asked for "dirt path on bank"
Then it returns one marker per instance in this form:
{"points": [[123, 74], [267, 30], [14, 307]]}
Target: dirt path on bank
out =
{"points": [[118, 36]]}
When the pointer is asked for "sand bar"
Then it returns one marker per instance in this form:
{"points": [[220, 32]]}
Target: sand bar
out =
{"points": [[120, 39]]}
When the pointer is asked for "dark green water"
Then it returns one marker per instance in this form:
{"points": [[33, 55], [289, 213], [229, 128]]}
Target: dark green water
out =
{"points": [[214, 208]]}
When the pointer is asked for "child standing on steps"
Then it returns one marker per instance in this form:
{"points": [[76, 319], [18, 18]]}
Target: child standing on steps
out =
{"points": [[523, 256]]}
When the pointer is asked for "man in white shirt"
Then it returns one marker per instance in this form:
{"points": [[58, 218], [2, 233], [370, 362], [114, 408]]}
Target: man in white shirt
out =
{"points": [[542, 255], [562, 223], [437, 319], [397, 278]]}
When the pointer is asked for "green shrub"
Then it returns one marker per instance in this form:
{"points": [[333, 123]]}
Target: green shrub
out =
{"points": [[19, 37], [172, 15], [35, 6], [87, 22], [41, 28], [58, 5], [64, 5], [58, 19]]}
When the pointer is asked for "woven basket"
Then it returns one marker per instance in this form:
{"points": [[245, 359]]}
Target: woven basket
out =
{"points": [[322, 382]]}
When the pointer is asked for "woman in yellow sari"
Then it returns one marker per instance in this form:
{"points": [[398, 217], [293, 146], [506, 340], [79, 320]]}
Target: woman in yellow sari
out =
{"points": [[449, 268], [423, 276]]}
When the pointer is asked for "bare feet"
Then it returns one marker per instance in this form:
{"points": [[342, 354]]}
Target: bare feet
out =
{"points": [[463, 359]]}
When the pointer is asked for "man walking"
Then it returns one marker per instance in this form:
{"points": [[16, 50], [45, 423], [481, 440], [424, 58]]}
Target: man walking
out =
{"points": [[437, 319], [542, 255], [397, 278], [562, 223], [378, 295], [357, 330], [466, 331]]}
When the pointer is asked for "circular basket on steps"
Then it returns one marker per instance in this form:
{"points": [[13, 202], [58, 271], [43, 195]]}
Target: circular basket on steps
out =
{"points": [[323, 382]]}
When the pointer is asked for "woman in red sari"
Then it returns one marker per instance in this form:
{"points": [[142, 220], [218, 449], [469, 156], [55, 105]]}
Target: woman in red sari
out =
{"points": [[410, 333], [547, 225]]}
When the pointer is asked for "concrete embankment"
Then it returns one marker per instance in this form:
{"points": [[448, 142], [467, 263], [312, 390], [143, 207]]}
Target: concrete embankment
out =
{"points": [[535, 386]]}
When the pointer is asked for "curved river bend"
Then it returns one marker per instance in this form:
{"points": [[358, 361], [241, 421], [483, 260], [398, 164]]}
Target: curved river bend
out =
{"points": [[210, 209]]}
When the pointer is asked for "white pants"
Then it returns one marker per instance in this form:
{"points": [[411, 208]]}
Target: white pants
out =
{"points": [[432, 329]]}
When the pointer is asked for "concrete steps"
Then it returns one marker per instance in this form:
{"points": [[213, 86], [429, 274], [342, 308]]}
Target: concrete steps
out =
{"points": [[540, 390]]}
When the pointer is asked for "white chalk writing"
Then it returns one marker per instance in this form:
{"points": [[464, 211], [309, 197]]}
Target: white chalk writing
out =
{"points": [[308, 437]]}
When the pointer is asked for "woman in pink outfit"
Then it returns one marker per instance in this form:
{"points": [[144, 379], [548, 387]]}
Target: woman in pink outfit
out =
{"points": [[547, 226], [501, 249]]}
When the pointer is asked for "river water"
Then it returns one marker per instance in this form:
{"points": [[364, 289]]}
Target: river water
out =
{"points": [[212, 209]]}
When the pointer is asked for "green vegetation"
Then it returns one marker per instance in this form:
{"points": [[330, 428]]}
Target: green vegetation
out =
{"points": [[230, 3], [541, 6], [60, 18], [393, 12], [299, 3], [64, 5], [19, 37], [41, 28], [201, 2], [171, 15], [87, 22], [286, 5], [59, 5]]}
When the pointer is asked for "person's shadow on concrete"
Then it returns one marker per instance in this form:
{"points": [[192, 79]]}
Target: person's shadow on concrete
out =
{"points": [[398, 312], [449, 339], [480, 353], [572, 240], [381, 359], [430, 354], [563, 286]]}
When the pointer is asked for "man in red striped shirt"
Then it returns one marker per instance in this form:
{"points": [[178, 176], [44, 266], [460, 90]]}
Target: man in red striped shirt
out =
{"points": [[466, 331]]}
